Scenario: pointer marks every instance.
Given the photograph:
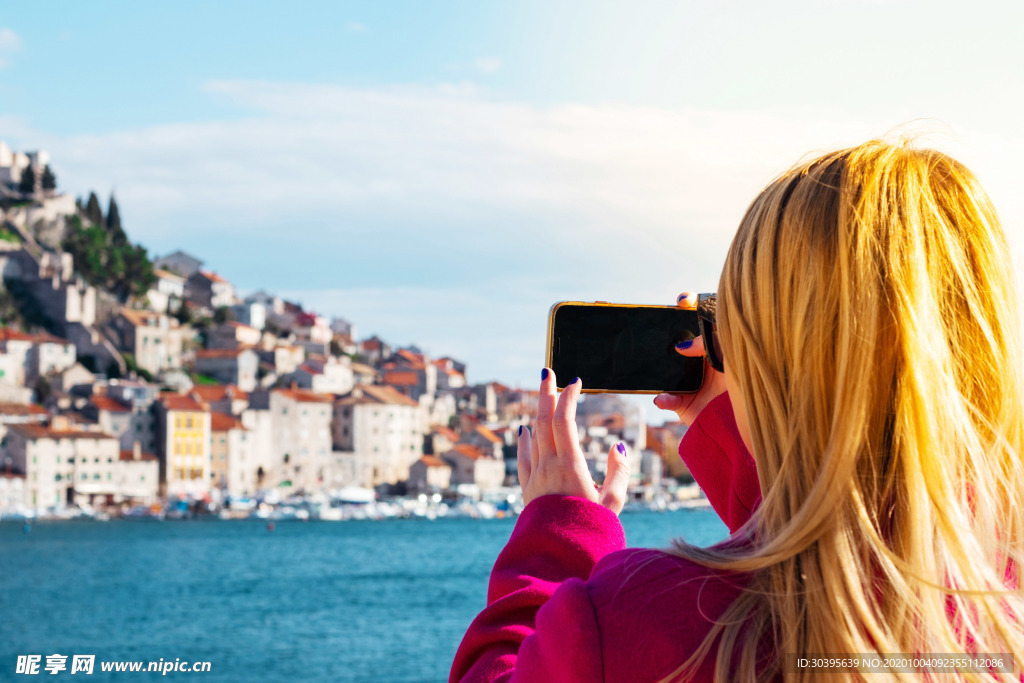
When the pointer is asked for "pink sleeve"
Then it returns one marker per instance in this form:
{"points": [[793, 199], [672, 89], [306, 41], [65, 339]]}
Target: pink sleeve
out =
{"points": [[555, 545], [721, 464]]}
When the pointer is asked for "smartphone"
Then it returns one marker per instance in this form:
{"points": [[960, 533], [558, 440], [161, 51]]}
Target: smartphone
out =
{"points": [[623, 348]]}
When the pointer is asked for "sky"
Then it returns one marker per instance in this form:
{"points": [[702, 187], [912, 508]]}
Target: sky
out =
{"points": [[440, 173]]}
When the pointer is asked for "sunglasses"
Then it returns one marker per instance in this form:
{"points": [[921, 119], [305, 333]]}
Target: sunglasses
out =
{"points": [[706, 306]]}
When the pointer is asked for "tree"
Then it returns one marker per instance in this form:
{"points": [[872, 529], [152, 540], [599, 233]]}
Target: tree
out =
{"points": [[93, 212], [27, 184], [184, 314], [117, 236], [49, 180]]}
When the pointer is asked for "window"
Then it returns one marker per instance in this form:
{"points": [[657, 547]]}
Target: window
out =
{"points": [[57, 478], [84, 475], [96, 476], [188, 422], [109, 476]]}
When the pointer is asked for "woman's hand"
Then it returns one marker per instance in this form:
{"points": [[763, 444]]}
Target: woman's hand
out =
{"points": [[688, 406], [550, 459]]}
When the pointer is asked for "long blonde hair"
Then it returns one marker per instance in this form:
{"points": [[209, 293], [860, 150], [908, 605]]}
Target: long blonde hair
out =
{"points": [[868, 312]]}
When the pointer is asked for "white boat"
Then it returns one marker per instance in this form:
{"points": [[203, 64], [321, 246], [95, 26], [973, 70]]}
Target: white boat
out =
{"points": [[354, 495]]}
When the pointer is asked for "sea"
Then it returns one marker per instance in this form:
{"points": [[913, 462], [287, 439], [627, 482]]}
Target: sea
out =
{"points": [[353, 601]]}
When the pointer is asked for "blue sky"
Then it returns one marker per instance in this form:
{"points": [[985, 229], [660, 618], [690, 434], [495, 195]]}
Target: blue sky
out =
{"points": [[440, 173]]}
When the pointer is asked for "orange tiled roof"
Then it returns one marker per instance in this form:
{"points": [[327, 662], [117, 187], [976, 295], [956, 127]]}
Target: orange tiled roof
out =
{"points": [[222, 422], [167, 275], [363, 369], [221, 353], [7, 334], [47, 338], [390, 395], [139, 318], [487, 434], [212, 276], [303, 396], [130, 455], [376, 393], [180, 403], [111, 405], [434, 461], [410, 355], [218, 392], [41, 432], [446, 432], [22, 409], [471, 452], [401, 378]]}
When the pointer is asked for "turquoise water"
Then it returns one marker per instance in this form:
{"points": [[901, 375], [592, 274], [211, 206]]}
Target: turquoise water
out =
{"points": [[318, 601]]}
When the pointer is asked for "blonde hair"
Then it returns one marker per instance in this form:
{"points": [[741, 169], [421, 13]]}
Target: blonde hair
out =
{"points": [[867, 310]]}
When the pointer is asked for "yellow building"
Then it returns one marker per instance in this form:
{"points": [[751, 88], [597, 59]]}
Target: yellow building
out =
{"points": [[186, 438]]}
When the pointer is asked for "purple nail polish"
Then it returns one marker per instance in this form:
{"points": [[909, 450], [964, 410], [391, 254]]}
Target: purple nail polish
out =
{"points": [[621, 448], [681, 297], [575, 380], [544, 374], [685, 344], [520, 430]]}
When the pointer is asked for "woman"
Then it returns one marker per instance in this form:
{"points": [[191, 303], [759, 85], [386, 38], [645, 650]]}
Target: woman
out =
{"points": [[866, 456]]}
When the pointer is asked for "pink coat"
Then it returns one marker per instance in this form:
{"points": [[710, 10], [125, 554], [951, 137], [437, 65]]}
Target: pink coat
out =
{"points": [[568, 602]]}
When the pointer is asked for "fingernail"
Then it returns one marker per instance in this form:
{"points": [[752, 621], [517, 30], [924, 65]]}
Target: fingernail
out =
{"points": [[621, 447], [575, 380], [681, 297], [544, 374], [520, 430], [685, 344]]}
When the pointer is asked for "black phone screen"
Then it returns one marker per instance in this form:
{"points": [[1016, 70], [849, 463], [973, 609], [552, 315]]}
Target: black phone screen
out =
{"points": [[624, 348]]}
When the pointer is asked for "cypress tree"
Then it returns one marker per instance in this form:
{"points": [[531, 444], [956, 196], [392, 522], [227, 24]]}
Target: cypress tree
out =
{"points": [[49, 179], [117, 236], [27, 184], [93, 211]]}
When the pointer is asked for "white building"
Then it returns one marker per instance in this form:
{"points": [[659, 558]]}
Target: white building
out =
{"points": [[251, 313], [470, 465], [153, 339], [167, 293], [300, 425], [229, 366], [232, 459], [323, 375], [63, 465], [383, 432], [231, 335]]}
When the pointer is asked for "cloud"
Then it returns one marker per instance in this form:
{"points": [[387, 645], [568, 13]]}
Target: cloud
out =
{"points": [[446, 216], [488, 65], [9, 40]]}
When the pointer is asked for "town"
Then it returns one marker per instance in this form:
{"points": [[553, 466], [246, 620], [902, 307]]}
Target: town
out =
{"points": [[154, 389]]}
